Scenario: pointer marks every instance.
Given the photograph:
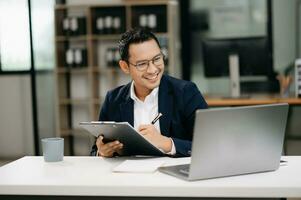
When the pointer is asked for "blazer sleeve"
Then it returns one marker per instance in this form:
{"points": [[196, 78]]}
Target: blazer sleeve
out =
{"points": [[192, 100], [103, 116]]}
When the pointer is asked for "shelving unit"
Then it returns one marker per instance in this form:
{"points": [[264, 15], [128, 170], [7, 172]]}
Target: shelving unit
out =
{"points": [[94, 30]]}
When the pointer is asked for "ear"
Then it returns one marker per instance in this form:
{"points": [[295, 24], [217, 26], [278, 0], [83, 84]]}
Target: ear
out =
{"points": [[124, 66]]}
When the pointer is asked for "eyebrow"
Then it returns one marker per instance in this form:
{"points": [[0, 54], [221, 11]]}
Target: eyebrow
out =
{"points": [[148, 60]]}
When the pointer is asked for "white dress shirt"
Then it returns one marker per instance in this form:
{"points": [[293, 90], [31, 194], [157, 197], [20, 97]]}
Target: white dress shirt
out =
{"points": [[146, 111]]}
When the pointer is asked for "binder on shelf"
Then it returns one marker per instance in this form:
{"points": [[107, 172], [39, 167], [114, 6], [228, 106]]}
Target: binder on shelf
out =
{"points": [[112, 57], [74, 26], [116, 24], [108, 20], [66, 26], [100, 25], [80, 57], [69, 58], [148, 17], [108, 24], [76, 57]]}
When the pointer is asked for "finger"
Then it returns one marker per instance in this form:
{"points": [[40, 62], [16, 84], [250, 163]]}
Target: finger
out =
{"points": [[107, 151], [143, 132], [99, 140], [143, 127], [99, 143], [114, 146], [118, 147], [106, 154], [109, 146]]}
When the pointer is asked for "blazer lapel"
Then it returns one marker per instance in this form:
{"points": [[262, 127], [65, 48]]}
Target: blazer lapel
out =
{"points": [[165, 107], [127, 107]]}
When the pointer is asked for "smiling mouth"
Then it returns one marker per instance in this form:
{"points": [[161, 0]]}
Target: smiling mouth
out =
{"points": [[152, 77]]}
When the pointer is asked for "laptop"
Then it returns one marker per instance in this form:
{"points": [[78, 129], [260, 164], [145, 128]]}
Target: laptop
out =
{"points": [[234, 141]]}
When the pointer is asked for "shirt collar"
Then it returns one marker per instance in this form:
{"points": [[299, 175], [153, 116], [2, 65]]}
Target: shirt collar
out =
{"points": [[152, 95]]}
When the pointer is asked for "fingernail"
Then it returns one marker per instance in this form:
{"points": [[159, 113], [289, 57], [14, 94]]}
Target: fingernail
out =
{"points": [[117, 142]]}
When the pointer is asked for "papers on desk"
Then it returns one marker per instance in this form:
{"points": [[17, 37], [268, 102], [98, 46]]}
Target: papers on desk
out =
{"points": [[139, 166]]}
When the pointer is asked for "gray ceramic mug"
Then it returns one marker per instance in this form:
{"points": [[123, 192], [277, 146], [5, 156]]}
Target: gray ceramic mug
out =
{"points": [[53, 149]]}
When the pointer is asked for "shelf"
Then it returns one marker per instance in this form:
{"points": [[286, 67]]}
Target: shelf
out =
{"points": [[79, 38], [105, 37], [79, 70], [72, 132], [97, 101], [253, 100], [68, 101], [117, 36], [107, 70], [64, 7], [82, 90]]}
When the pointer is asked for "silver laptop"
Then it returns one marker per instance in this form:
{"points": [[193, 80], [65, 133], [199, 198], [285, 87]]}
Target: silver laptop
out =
{"points": [[233, 141]]}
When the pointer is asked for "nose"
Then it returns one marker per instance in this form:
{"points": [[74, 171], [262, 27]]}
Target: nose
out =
{"points": [[151, 68]]}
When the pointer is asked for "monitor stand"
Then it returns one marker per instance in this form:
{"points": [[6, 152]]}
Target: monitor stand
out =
{"points": [[234, 75]]}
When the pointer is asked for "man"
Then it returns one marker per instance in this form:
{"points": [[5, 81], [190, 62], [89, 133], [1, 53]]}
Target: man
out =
{"points": [[150, 93]]}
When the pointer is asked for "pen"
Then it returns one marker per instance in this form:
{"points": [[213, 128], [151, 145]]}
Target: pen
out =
{"points": [[156, 118]]}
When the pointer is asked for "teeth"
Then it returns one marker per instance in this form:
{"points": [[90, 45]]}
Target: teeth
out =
{"points": [[153, 77]]}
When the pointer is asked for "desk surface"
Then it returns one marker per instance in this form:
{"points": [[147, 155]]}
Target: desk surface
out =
{"points": [[253, 100], [92, 176]]}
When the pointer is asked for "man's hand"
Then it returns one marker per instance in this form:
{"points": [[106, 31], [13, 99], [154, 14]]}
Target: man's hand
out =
{"points": [[108, 149], [150, 132]]}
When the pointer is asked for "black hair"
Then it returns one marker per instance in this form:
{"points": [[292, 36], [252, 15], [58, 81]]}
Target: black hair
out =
{"points": [[134, 36]]}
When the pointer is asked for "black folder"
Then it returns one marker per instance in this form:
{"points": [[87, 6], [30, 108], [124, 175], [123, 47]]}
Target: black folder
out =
{"points": [[133, 142]]}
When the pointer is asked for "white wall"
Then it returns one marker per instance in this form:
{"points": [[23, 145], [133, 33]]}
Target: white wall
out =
{"points": [[45, 105], [284, 30], [16, 133]]}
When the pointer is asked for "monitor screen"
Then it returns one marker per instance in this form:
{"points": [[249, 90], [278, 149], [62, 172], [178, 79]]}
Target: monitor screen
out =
{"points": [[253, 53]]}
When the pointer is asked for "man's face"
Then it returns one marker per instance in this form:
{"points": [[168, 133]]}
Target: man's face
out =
{"points": [[140, 54]]}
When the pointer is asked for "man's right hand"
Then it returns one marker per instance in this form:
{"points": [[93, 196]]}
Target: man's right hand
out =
{"points": [[108, 149]]}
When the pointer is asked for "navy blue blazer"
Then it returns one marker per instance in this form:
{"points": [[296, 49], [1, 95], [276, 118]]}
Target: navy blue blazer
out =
{"points": [[178, 101]]}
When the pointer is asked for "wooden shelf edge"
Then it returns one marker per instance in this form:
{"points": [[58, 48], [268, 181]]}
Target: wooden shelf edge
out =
{"points": [[104, 37], [67, 6], [62, 38], [72, 132], [107, 70], [67, 101], [215, 101], [72, 70]]}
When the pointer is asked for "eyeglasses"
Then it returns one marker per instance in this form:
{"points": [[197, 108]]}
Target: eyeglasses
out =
{"points": [[158, 60]]}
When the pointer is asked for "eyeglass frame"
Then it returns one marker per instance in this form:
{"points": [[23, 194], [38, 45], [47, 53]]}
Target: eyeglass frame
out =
{"points": [[148, 61]]}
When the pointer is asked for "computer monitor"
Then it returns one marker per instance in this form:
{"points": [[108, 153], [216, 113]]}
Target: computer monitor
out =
{"points": [[253, 56]]}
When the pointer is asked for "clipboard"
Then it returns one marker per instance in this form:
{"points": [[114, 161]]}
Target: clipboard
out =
{"points": [[133, 142]]}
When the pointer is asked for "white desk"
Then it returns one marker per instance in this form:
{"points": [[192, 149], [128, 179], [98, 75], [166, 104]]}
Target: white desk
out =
{"points": [[92, 176]]}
